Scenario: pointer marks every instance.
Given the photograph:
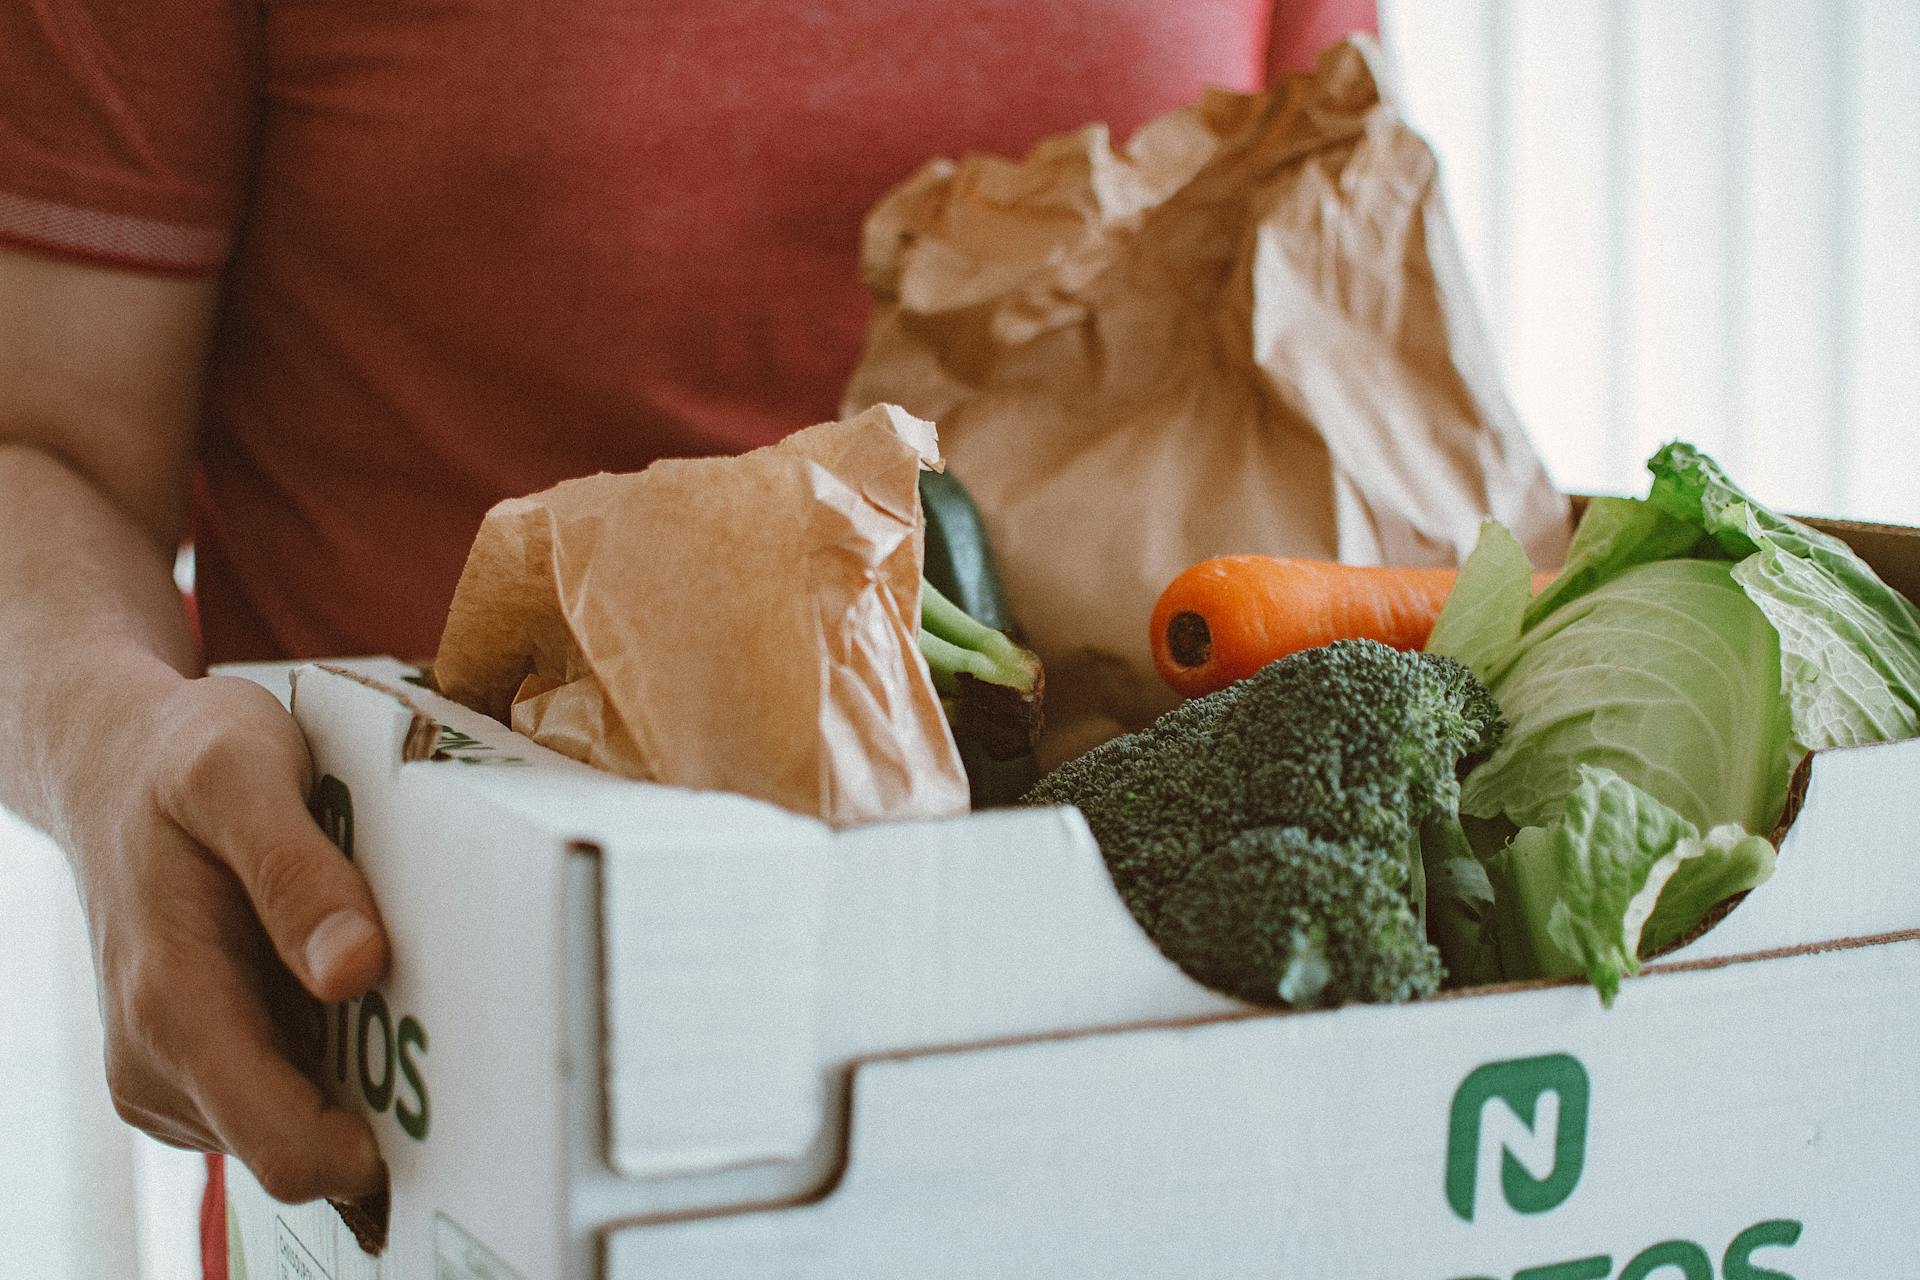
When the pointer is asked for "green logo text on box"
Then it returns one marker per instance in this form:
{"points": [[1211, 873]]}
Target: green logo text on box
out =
{"points": [[1519, 1084]]}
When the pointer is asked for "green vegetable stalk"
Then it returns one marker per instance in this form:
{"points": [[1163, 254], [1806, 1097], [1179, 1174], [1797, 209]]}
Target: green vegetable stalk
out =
{"points": [[959, 563], [990, 687]]}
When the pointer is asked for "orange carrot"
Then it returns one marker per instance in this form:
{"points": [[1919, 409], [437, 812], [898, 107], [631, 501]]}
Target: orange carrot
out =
{"points": [[1225, 618]]}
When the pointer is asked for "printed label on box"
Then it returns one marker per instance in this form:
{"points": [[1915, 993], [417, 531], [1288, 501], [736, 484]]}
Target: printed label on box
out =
{"points": [[1543, 1114], [1530, 1115], [292, 1261], [458, 1256]]}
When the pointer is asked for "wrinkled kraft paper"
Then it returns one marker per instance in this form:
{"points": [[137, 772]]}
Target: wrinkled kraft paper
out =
{"points": [[744, 624], [1248, 330]]}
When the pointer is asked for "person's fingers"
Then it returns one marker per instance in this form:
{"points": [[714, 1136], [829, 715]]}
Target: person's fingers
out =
{"points": [[167, 1130], [243, 798], [205, 1147], [205, 1031], [270, 1116], [298, 1022], [139, 1081], [146, 1102]]}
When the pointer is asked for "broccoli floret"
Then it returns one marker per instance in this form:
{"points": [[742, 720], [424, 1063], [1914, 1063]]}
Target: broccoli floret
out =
{"points": [[1289, 806], [1276, 915]]}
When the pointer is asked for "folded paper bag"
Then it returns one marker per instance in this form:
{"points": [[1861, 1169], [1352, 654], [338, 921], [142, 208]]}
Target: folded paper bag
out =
{"points": [[1246, 329], [743, 624]]}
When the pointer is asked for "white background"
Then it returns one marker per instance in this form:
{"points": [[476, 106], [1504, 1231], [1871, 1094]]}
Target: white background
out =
{"points": [[1695, 219]]}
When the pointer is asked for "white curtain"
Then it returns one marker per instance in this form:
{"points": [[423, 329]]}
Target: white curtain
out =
{"points": [[1693, 219], [1686, 217]]}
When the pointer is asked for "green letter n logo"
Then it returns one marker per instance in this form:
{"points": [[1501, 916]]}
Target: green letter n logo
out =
{"points": [[1520, 1085]]}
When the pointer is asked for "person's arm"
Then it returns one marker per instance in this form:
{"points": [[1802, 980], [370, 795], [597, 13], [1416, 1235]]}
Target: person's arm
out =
{"points": [[179, 798]]}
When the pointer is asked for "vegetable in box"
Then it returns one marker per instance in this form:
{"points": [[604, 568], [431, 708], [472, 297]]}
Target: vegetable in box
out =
{"points": [[1660, 693]]}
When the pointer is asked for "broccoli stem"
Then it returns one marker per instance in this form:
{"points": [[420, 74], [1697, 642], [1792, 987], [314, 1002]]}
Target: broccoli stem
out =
{"points": [[1413, 859], [1459, 898], [1442, 838], [990, 686]]}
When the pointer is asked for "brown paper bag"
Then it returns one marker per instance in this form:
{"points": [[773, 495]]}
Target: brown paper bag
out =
{"points": [[1248, 330], [744, 624]]}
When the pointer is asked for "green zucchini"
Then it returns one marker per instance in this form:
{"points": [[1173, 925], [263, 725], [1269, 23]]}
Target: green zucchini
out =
{"points": [[959, 563], [959, 560]]}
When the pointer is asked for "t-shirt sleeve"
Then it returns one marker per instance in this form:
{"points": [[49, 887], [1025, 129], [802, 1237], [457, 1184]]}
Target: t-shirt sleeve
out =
{"points": [[125, 128], [1302, 28]]}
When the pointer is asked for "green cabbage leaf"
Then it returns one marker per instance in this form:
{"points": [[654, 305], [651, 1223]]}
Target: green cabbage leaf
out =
{"points": [[1692, 650], [1616, 876]]}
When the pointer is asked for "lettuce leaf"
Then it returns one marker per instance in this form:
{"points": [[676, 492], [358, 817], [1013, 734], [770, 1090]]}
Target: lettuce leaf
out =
{"points": [[1850, 644], [1614, 535], [1480, 625], [1666, 675], [1695, 646], [1615, 878]]}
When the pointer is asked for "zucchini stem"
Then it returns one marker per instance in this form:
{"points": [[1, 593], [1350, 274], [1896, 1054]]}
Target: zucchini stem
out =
{"points": [[993, 685]]}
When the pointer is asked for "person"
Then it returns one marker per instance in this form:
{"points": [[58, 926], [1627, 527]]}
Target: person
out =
{"points": [[313, 286]]}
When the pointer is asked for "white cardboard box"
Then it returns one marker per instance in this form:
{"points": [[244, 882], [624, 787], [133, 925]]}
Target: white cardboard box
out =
{"points": [[632, 1031]]}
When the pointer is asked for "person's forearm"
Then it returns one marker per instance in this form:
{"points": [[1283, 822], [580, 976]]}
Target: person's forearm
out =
{"points": [[90, 623], [181, 802]]}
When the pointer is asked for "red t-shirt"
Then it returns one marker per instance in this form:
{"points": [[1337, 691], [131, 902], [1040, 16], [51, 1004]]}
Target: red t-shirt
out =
{"points": [[472, 249]]}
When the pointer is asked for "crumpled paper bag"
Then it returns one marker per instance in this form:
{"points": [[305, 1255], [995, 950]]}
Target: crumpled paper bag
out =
{"points": [[744, 624], [1247, 330]]}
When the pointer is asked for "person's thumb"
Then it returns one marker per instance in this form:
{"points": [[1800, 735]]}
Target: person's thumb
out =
{"points": [[244, 801]]}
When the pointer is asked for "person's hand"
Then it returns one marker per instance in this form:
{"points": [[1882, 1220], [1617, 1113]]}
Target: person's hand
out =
{"points": [[198, 865]]}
